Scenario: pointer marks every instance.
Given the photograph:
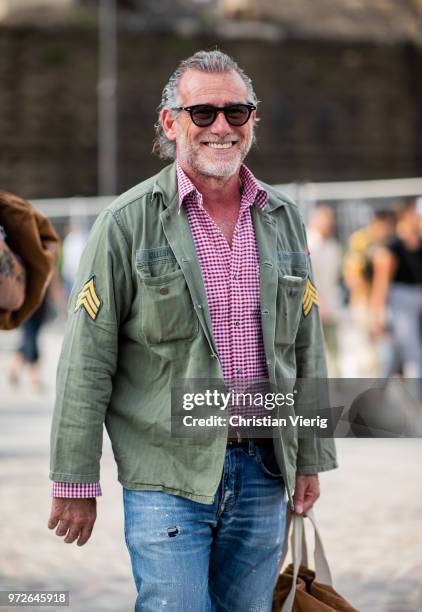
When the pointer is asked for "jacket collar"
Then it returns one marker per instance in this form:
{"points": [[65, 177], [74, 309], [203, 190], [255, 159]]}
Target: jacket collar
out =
{"points": [[166, 186]]}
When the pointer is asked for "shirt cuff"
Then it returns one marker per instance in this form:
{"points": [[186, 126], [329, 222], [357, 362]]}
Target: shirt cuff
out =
{"points": [[76, 489]]}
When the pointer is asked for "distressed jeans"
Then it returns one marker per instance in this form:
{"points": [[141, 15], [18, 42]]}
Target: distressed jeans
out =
{"points": [[192, 557]]}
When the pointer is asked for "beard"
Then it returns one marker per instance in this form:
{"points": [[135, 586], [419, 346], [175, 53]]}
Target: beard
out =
{"points": [[194, 155]]}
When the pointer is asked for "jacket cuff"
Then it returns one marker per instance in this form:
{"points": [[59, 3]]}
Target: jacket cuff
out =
{"points": [[306, 470]]}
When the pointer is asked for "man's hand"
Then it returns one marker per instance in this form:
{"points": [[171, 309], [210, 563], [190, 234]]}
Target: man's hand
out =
{"points": [[306, 492], [76, 518]]}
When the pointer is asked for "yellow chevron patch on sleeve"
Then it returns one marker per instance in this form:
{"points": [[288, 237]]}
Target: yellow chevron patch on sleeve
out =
{"points": [[310, 297], [88, 299]]}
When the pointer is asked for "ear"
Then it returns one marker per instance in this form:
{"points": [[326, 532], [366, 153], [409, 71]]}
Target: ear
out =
{"points": [[169, 123]]}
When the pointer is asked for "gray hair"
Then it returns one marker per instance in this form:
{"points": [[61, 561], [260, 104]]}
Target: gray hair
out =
{"points": [[204, 61]]}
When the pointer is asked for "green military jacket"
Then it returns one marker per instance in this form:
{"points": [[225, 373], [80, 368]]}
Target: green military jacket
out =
{"points": [[138, 321]]}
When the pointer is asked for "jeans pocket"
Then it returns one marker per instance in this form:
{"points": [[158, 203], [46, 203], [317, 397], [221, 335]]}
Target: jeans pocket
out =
{"points": [[267, 461]]}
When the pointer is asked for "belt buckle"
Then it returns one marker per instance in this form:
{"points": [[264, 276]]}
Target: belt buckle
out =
{"points": [[238, 441]]}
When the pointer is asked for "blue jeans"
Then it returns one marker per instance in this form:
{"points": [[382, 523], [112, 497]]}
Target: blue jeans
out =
{"points": [[405, 303], [193, 557]]}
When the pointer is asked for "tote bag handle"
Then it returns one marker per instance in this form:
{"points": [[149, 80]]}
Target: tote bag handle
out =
{"points": [[299, 553]]}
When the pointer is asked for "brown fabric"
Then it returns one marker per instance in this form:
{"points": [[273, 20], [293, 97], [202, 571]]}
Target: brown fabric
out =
{"points": [[31, 236], [311, 596]]}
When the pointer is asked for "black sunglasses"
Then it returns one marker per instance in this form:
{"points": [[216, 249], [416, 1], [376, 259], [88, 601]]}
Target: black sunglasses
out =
{"points": [[204, 115]]}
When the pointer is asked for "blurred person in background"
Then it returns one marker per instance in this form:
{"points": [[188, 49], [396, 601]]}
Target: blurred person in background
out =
{"points": [[28, 354], [326, 263], [358, 272], [358, 261], [29, 244], [397, 293], [73, 246], [28, 351], [12, 277]]}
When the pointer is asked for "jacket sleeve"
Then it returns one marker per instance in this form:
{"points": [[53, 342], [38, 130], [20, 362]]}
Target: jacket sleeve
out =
{"points": [[315, 454], [100, 301]]}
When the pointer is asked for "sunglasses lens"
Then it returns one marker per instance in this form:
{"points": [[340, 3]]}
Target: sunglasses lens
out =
{"points": [[237, 115], [203, 116]]}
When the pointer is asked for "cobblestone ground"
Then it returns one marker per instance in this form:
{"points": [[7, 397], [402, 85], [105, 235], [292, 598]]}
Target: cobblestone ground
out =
{"points": [[370, 513]]}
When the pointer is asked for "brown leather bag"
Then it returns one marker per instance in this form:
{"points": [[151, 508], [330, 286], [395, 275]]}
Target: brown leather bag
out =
{"points": [[31, 236], [300, 589]]}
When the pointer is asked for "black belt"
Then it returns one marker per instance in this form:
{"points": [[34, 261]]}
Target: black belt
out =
{"points": [[244, 442]]}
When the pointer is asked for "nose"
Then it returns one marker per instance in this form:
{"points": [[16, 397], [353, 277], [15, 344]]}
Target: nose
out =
{"points": [[220, 126]]}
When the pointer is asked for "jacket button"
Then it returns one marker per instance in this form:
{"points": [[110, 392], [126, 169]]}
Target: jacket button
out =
{"points": [[164, 290]]}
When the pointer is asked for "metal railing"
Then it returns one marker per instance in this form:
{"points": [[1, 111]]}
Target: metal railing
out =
{"points": [[353, 201]]}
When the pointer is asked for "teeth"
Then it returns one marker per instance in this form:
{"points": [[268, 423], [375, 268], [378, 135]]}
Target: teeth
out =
{"points": [[216, 145]]}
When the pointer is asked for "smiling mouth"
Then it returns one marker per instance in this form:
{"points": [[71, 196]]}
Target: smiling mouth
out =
{"points": [[218, 145]]}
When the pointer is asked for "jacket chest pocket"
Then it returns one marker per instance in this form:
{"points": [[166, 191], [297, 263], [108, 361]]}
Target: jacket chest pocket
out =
{"points": [[167, 312], [292, 277]]}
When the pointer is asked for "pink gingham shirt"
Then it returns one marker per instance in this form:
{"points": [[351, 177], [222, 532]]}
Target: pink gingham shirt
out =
{"points": [[231, 279]]}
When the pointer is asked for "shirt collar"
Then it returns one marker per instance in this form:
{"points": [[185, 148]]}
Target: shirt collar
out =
{"points": [[251, 190]]}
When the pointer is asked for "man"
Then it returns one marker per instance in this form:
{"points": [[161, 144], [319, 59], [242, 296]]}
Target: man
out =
{"points": [[326, 263], [358, 271], [196, 273]]}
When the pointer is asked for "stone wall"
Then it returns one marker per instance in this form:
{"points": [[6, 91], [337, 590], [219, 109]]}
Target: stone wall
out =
{"points": [[329, 111]]}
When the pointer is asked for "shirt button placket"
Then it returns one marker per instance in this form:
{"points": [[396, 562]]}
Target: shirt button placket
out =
{"points": [[236, 299]]}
